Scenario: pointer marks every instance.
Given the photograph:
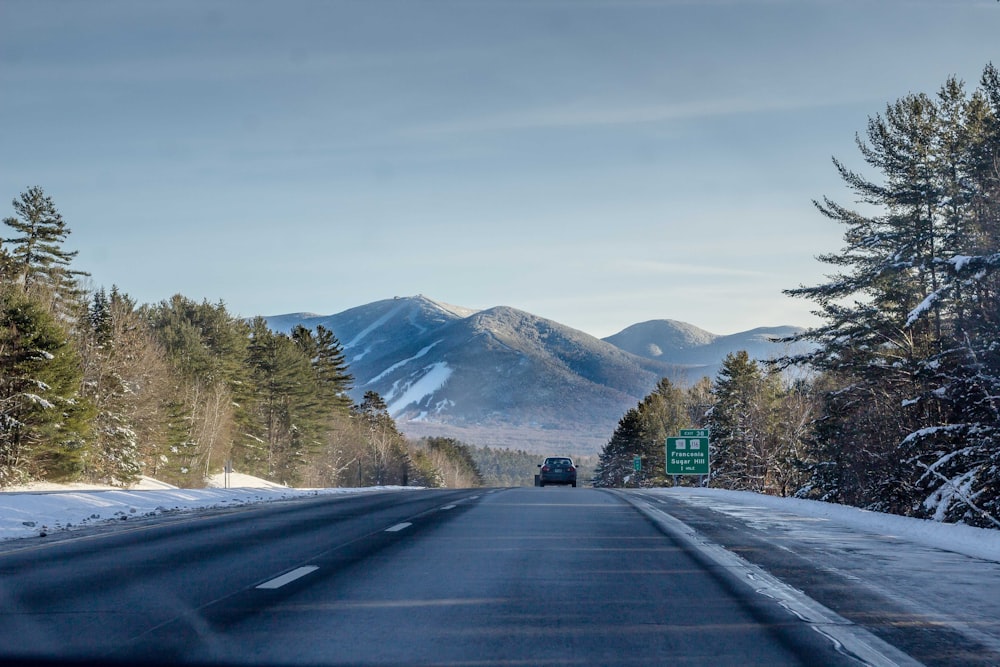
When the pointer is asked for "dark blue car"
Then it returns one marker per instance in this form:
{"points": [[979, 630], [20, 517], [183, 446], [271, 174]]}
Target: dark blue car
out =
{"points": [[557, 470]]}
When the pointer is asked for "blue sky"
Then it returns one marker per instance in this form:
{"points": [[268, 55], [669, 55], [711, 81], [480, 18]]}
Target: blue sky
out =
{"points": [[596, 162]]}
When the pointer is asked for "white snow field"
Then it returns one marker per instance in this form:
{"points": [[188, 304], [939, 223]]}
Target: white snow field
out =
{"points": [[38, 509]]}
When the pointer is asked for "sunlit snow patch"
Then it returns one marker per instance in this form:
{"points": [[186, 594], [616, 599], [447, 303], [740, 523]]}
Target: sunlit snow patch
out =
{"points": [[435, 378]]}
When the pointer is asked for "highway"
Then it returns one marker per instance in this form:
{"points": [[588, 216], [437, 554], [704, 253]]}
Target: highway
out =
{"points": [[525, 576]]}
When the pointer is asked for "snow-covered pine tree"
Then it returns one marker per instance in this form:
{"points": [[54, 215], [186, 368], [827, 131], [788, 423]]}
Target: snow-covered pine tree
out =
{"points": [[748, 444], [43, 418], [910, 321], [959, 458]]}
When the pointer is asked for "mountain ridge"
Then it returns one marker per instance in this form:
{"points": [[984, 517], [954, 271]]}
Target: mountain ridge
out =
{"points": [[505, 377]]}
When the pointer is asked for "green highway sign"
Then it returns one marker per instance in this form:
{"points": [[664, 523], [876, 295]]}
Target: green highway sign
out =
{"points": [[694, 433], [687, 455], [637, 464]]}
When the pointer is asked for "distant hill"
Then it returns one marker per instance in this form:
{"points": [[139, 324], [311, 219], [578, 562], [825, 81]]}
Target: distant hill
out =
{"points": [[504, 377], [700, 351]]}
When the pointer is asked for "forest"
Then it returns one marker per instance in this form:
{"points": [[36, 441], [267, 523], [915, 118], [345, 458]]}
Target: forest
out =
{"points": [[896, 407], [95, 387]]}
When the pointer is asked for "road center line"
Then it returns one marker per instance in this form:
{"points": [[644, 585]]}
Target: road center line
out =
{"points": [[398, 527], [288, 577]]}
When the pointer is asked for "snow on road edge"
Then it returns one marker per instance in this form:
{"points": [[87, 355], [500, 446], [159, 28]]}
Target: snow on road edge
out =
{"points": [[976, 542], [35, 513]]}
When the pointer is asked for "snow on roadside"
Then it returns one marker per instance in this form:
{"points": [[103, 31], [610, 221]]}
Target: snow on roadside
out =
{"points": [[40, 509], [976, 542]]}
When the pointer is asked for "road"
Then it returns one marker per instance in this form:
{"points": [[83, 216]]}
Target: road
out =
{"points": [[528, 576]]}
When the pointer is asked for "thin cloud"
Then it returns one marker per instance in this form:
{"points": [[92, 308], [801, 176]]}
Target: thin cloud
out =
{"points": [[582, 115], [652, 267]]}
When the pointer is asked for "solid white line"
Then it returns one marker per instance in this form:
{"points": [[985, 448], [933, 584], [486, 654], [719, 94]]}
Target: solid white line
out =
{"points": [[289, 577], [854, 639], [398, 527]]}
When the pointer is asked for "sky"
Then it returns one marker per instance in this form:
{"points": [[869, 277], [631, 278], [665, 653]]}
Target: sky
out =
{"points": [[597, 162]]}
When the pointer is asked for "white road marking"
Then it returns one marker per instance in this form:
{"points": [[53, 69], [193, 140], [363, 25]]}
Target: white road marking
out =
{"points": [[289, 577], [398, 527], [850, 639], [448, 507]]}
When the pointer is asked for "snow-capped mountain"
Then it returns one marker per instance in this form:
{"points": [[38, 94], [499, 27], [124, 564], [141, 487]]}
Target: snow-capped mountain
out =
{"points": [[697, 349], [504, 377]]}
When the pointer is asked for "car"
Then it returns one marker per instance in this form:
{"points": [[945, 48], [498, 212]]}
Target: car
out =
{"points": [[557, 470]]}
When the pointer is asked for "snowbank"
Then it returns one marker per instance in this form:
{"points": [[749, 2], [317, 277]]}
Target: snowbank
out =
{"points": [[977, 542], [41, 508]]}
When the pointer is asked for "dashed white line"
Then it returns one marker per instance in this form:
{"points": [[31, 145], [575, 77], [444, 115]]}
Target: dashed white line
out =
{"points": [[448, 507], [398, 527], [289, 577]]}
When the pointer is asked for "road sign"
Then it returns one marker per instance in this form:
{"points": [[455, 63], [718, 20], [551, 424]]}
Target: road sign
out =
{"points": [[694, 433], [687, 456], [637, 464]]}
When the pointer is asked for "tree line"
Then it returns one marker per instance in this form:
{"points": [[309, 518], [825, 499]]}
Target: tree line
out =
{"points": [[95, 387], [899, 406]]}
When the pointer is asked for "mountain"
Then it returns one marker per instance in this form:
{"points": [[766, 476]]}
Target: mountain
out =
{"points": [[702, 352], [504, 377]]}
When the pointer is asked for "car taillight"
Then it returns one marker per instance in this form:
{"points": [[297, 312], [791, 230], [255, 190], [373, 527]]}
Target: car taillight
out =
{"points": [[545, 468], [572, 469]]}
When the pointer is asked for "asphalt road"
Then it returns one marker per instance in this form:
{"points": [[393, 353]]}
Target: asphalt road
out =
{"points": [[528, 576]]}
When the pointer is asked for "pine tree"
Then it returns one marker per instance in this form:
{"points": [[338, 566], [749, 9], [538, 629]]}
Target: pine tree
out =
{"points": [[749, 445], [213, 393], [36, 258], [326, 355], [43, 417], [385, 458], [614, 465], [908, 344], [287, 401]]}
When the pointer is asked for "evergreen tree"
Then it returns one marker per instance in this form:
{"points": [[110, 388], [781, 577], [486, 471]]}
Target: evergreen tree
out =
{"points": [[385, 458], [663, 413], [642, 432], [213, 394], [36, 259], [746, 444], [287, 401], [908, 344], [43, 418], [327, 358], [614, 466]]}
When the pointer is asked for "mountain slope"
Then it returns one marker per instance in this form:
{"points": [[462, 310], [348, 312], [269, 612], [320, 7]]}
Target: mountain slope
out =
{"points": [[698, 350], [504, 377]]}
